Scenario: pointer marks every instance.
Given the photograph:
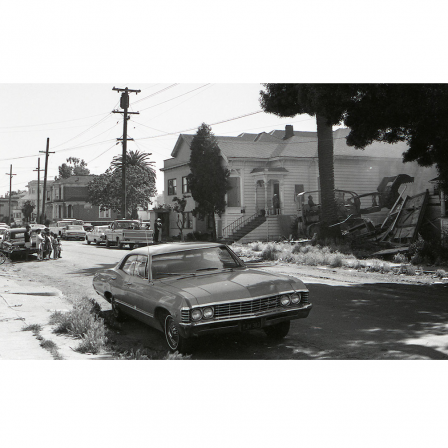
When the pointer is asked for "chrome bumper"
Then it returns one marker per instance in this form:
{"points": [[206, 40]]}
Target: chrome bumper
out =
{"points": [[236, 323]]}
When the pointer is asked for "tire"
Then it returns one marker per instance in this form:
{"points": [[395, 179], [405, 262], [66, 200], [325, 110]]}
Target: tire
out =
{"points": [[131, 246], [278, 331], [107, 243], [88, 241], [97, 242], [173, 339], [118, 315], [120, 245]]}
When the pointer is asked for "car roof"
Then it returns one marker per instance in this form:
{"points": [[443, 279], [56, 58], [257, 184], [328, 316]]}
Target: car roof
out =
{"points": [[159, 249]]}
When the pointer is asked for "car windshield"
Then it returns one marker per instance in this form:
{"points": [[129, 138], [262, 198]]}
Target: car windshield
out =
{"points": [[193, 261], [75, 228]]}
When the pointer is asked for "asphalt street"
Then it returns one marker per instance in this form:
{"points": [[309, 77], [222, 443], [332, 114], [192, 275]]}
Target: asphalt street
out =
{"points": [[352, 318]]}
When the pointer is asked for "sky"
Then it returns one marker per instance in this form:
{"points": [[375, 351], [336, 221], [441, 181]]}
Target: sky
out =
{"points": [[78, 120]]}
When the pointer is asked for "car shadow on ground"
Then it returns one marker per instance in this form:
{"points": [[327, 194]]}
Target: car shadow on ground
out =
{"points": [[367, 321]]}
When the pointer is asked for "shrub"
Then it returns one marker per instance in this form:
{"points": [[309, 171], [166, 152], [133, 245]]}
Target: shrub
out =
{"points": [[269, 252], [400, 258], [256, 246], [336, 260], [407, 269], [440, 273], [83, 322]]}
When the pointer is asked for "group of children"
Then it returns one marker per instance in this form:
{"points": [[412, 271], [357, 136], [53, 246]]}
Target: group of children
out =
{"points": [[48, 243]]}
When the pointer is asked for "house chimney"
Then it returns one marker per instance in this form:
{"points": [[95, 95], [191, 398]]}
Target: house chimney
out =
{"points": [[289, 131]]}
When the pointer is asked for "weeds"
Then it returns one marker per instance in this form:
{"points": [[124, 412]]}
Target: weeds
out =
{"points": [[44, 343], [35, 328], [147, 354], [440, 273], [82, 322]]}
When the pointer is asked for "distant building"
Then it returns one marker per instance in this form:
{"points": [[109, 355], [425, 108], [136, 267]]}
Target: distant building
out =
{"points": [[32, 194], [69, 199]]}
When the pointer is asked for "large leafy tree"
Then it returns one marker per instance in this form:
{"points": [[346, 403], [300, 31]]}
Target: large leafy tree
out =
{"points": [[105, 190], [328, 103], [208, 180], [73, 167], [414, 113]]}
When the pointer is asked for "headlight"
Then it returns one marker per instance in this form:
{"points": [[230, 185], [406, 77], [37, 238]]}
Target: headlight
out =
{"points": [[196, 314], [207, 313], [285, 300], [295, 298]]}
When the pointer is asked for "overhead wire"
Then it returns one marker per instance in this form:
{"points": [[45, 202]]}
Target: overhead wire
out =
{"points": [[156, 93]]}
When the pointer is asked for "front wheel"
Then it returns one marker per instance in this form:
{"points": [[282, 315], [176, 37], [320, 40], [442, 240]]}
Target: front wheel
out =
{"points": [[278, 331], [107, 243], [88, 241], [174, 340]]}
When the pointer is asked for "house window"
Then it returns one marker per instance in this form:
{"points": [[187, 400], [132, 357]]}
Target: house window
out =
{"points": [[234, 194], [48, 196], [185, 186], [172, 187], [70, 211], [188, 220], [105, 213]]}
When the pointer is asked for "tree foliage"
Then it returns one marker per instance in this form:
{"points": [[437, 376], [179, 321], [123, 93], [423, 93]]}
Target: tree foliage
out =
{"points": [[27, 209], [133, 158], [414, 113], [208, 180], [105, 190], [73, 167]]}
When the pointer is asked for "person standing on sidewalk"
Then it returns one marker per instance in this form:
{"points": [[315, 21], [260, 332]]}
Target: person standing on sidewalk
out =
{"points": [[40, 245], [27, 241], [158, 228]]}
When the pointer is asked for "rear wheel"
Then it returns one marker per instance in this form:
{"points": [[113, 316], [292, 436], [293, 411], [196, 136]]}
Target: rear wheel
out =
{"points": [[107, 243], [278, 331], [88, 241], [120, 245], [97, 242], [174, 340], [131, 246]]}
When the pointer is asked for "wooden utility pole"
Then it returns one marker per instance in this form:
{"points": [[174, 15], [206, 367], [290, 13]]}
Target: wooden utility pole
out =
{"points": [[47, 153], [10, 189], [124, 104], [38, 189]]}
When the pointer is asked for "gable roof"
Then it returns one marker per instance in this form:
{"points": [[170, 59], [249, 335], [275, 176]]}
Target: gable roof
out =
{"points": [[301, 145]]}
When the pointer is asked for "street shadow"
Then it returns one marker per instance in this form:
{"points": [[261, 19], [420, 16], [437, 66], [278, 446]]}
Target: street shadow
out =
{"points": [[368, 321], [93, 270]]}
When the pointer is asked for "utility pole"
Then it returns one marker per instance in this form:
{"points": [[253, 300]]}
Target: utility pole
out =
{"points": [[47, 153], [10, 189], [124, 104], [38, 188]]}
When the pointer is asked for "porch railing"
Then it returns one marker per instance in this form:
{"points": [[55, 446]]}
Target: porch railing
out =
{"points": [[238, 224]]}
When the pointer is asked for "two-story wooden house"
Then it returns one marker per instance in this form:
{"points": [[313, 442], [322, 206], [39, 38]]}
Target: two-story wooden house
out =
{"points": [[284, 163]]}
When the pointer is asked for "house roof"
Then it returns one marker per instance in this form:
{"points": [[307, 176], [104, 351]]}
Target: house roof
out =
{"points": [[301, 145]]}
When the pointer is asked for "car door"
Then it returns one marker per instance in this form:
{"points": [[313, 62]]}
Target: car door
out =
{"points": [[122, 281], [139, 289]]}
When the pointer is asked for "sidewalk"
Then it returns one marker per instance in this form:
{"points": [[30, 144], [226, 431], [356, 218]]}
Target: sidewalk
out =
{"points": [[24, 303]]}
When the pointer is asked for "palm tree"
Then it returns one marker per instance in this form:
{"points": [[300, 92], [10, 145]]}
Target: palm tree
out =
{"points": [[133, 158]]}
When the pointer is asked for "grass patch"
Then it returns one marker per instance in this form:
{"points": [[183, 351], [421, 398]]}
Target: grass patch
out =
{"points": [[82, 322], [35, 328]]}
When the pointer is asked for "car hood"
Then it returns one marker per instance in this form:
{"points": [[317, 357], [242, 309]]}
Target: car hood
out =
{"points": [[231, 285]]}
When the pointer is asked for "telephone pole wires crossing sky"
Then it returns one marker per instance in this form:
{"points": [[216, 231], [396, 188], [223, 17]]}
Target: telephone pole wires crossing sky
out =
{"points": [[10, 188], [124, 104], [47, 153]]}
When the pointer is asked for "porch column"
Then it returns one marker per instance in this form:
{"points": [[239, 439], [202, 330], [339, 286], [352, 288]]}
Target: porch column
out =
{"points": [[266, 198]]}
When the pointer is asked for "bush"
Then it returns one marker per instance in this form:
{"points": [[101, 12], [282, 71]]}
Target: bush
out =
{"points": [[83, 322], [269, 252], [400, 258], [440, 273], [407, 269]]}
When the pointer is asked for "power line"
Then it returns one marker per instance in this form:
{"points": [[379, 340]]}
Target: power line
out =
{"points": [[212, 124], [171, 99], [156, 93]]}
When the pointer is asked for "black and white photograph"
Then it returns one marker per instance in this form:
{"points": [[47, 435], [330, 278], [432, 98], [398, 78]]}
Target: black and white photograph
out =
{"points": [[256, 193]]}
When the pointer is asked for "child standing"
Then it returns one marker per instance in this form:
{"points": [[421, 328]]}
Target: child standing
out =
{"points": [[40, 245]]}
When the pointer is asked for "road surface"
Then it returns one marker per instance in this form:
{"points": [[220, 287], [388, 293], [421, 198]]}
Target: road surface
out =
{"points": [[352, 317]]}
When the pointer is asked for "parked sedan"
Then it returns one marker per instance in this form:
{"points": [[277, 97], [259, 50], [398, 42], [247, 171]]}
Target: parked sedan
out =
{"points": [[75, 232], [96, 235], [192, 289]]}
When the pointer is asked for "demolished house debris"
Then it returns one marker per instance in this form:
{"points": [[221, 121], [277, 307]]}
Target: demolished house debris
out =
{"points": [[404, 222]]}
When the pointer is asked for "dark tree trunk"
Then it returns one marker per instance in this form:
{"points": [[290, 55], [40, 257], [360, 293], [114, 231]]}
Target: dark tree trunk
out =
{"points": [[326, 172]]}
